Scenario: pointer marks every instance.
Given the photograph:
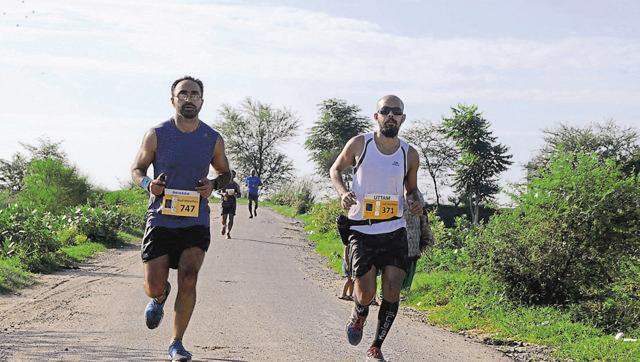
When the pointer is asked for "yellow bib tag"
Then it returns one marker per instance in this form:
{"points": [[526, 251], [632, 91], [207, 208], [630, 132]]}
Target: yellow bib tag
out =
{"points": [[180, 203], [380, 207]]}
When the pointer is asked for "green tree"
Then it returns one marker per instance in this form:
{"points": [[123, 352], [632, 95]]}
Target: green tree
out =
{"points": [[53, 186], [481, 158], [607, 140], [436, 150], [12, 172], [337, 123], [252, 132]]}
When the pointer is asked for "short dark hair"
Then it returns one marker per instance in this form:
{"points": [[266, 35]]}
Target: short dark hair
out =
{"points": [[188, 77]]}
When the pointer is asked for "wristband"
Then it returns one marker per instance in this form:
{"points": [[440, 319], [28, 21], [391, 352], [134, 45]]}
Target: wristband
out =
{"points": [[145, 183]]}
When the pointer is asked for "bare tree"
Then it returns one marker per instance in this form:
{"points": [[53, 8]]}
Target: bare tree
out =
{"points": [[252, 133], [436, 150]]}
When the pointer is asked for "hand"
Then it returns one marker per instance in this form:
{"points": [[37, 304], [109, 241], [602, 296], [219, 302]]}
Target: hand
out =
{"points": [[347, 200], [415, 206], [157, 186], [206, 188]]}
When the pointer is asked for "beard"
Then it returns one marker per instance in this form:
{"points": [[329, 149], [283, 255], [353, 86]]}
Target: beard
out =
{"points": [[389, 130], [189, 113]]}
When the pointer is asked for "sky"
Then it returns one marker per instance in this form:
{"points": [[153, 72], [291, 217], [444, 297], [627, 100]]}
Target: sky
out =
{"points": [[96, 74]]}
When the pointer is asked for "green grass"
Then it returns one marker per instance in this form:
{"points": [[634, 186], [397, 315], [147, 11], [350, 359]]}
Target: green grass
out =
{"points": [[13, 275], [467, 300], [282, 210], [83, 251]]}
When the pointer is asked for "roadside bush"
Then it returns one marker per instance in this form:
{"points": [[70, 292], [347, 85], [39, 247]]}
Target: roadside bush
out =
{"points": [[572, 228], [28, 235], [98, 224], [298, 195], [616, 308], [51, 185], [131, 204], [323, 215], [450, 251]]}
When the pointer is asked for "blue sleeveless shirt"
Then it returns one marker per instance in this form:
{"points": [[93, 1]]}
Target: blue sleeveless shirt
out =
{"points": [[185, 159]]}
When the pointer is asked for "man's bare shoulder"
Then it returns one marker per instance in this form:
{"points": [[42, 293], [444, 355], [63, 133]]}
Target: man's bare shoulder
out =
{"points": [[413, 156], [356, 142], [150, 138]]}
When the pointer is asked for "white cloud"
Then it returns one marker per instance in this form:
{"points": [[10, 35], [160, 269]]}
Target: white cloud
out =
{"points": [[263, 43], [95, 53]]}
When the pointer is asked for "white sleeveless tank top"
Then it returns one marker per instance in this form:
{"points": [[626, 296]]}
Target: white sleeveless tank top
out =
{"points": [[376, 177]]}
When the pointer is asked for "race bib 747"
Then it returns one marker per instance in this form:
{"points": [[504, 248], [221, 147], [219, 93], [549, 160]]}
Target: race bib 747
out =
{"points": [[180, 203]]}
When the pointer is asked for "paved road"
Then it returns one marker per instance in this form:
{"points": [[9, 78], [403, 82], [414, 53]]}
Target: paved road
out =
{"points": [[263, 295]]}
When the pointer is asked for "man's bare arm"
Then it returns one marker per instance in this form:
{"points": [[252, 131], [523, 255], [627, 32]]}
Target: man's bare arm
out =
{"points": [[220, 164], [411, 181], [145, 156], [346, 159]]}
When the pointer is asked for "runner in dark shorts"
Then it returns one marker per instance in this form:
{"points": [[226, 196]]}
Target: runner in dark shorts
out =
{"points": [[229, 201], [385, 172], [177, 235]]}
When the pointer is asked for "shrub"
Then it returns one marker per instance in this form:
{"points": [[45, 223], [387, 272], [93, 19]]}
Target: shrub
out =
{"points": [[51, 185], [616, 308], [131, 204], [570, 231], [297, 195], [323, 215], [98, 224], [28, 235], [450, 251]]}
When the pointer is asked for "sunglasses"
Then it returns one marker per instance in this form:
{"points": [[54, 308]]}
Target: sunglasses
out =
{"points": [[397, 111]]}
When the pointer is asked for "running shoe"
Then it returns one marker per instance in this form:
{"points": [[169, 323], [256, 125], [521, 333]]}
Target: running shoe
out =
{"points": [[224, 230], [228, 235], [354, 328], [177, 352], [155, 311], [375, 354]]}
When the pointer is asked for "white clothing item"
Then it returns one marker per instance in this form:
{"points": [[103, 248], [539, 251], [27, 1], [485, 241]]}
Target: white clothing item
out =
{"points": [[379, 175]]}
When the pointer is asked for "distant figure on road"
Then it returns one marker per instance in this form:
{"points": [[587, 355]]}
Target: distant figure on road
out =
{"points": [[385, 170], [177, 227], [229, 195], [253, 182]]}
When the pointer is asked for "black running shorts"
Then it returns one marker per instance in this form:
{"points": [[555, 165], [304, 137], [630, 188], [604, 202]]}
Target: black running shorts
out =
{"points": [[253, 197], [159, 241], [228, 210], [379, 250]]}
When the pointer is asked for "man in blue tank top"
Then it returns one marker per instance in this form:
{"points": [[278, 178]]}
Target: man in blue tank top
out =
{"points": [[385, 170], [177, 231], [253, 182]]}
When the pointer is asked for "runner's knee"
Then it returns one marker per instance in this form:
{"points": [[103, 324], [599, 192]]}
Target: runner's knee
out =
{"points": [[187, 278], [154, 288]]}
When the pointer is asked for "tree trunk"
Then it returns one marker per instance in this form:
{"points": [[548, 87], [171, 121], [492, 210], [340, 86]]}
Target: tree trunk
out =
{"points": [[435, 187], [476, 210]]}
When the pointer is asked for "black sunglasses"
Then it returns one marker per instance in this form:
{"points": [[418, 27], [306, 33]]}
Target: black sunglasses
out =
{"points": [[397, 111]]}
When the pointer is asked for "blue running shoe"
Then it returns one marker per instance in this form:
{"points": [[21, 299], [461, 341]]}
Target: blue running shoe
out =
{"points": [[354, 328], [178, 353], [155, 311]]}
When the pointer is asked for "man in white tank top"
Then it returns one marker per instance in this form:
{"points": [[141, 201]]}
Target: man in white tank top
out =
{"points": [[385, 170]]}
